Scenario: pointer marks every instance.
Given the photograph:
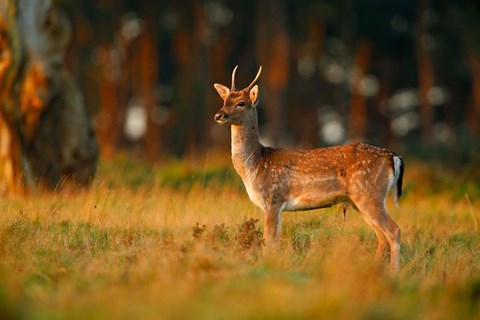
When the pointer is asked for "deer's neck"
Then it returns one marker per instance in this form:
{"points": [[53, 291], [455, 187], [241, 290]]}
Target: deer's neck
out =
{"points": [[246, 147]]}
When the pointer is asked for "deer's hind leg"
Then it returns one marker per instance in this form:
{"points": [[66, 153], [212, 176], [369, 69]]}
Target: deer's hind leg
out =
{"points": [[387, 231], [382, 241]]}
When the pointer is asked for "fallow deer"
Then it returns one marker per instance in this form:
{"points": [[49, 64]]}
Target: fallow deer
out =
{"points": [[278, 180]]}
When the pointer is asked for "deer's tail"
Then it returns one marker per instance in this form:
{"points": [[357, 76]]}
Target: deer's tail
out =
{"points": [[398, 168]]}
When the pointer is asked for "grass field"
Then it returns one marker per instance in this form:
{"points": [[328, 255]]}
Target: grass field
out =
{"points": [[181, 240]]}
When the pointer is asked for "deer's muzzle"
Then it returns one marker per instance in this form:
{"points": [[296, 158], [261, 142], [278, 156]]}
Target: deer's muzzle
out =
{"points": [[220, 117]]}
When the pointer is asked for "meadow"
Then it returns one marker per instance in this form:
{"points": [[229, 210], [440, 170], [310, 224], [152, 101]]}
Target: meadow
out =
{"points": [[181, 240]]}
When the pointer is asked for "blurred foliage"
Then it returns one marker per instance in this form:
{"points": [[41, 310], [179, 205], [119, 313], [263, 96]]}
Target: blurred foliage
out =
{"points": [[164, 58]]}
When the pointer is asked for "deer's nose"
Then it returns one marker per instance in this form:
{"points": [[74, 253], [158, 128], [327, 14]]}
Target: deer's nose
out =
{"points": [[220, 116]]}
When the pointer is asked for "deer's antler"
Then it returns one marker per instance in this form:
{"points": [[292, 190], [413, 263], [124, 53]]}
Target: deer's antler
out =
{"points": [[233, 79], [254, 80]]}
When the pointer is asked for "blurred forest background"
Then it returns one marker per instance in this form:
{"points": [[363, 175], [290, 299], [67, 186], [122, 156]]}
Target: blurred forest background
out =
{"points": [[402, 74]]}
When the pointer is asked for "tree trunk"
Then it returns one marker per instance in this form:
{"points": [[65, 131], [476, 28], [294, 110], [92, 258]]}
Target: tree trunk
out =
{"points": [[473, 113], [309, 89], [425, 74], [148, 71], [358, 110], [106, 118], [274, 54], [45, 132], [386, 72], [11, 59]]}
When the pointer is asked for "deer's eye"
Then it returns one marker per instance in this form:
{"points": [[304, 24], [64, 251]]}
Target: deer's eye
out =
{"points": [[241, 104]]}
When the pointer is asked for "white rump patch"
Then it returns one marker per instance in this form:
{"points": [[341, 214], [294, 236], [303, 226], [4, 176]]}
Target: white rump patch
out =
{"points": [[397, 163]]}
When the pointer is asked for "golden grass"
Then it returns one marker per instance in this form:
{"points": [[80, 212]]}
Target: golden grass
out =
{"points": [[130, 247]]}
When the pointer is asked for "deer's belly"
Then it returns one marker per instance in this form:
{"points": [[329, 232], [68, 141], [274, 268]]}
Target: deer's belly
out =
{"points": [[304, 202], [321, 194]]}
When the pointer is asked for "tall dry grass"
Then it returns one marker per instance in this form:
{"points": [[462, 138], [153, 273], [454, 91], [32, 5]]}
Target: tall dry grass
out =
{"points": [[181, 240]]}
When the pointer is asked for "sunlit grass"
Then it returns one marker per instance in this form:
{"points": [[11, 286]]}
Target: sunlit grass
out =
{"points": [[177, 241]]}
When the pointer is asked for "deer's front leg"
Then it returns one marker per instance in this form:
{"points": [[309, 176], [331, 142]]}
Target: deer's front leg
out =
{"points": [[273, 225]]}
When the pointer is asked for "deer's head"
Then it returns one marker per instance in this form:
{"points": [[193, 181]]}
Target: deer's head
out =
{"points": [[238, 105]]}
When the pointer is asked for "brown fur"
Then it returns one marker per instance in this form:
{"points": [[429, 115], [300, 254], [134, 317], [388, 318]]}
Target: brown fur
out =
{"points": [[278, 179]]}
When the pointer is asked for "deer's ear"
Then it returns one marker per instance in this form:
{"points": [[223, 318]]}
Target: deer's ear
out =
{"points": [[254, 95], [222, 90]]}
